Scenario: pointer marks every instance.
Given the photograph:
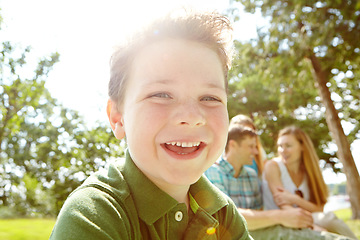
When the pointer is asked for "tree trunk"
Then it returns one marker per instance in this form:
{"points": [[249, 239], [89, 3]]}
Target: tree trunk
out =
{"points": [[337, 133]]}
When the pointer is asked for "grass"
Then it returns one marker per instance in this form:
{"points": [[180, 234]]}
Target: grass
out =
{"points": [[345, 215], [26, 229], [40, 229]]}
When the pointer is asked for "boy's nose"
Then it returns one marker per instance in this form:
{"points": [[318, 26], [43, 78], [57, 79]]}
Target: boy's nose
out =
{"points": [[189, 113]]}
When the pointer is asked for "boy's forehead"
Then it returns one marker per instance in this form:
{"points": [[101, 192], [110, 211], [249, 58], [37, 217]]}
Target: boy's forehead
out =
{"points": [[171, 44], [156, 57]]}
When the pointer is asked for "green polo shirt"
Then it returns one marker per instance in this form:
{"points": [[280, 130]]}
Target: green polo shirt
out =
{"points": [[122, 203]]}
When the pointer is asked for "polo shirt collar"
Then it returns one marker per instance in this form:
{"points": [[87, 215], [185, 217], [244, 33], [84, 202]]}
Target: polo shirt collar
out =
{"points": [[152, 203], [208, 197]]}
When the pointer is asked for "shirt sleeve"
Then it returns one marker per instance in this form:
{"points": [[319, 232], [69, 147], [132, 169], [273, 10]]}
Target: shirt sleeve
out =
{"points": [[90, 213]]}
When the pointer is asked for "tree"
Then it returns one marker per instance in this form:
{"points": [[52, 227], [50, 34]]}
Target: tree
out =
{"points": [[317, 41], [19, 98], [46, 150], [275, 100]]}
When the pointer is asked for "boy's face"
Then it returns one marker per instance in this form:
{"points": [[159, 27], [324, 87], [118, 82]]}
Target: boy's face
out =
{"points": [[247, 150], [175, 111]]}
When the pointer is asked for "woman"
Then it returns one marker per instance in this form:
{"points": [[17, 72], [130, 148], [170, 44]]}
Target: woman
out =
{"points": [[294, 179]]}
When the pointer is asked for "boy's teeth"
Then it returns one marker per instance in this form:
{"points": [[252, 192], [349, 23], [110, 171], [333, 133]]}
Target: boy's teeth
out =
{"points": [[184, 144]]}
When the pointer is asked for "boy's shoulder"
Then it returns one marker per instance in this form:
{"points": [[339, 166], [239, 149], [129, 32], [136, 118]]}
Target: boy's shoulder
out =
{"points": [[106, 188], [103, 200], [110, 180]]}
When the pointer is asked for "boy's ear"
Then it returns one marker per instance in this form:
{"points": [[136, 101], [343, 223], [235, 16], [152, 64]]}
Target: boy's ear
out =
{"points": [[115, 119]]}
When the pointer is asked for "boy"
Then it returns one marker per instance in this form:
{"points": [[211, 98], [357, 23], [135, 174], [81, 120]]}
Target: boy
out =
{"points": [[168, 98]]}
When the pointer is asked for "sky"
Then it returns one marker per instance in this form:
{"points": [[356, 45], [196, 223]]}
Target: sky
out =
{"points": [[84, 32]]}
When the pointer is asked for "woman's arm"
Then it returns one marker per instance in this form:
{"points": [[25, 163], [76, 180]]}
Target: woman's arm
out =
{"points": [[292, 217], [272, 175], [283, 197]]}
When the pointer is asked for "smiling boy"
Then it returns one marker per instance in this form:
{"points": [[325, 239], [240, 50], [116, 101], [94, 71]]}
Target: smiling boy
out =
{"points": [[168, 99]]}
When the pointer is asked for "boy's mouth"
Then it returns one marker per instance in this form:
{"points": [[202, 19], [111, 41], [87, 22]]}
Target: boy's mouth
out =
{"points": [[182, 148]]}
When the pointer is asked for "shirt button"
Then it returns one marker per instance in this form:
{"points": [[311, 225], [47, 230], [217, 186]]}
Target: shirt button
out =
{"points": [[210, 231], [178, 216]]}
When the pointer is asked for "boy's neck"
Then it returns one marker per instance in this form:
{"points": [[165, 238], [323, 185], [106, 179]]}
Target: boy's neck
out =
{"points": [[178, 192], [181, 195]]}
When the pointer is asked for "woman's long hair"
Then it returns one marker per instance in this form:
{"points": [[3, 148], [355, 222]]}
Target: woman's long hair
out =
{"points": [[317, 186]]}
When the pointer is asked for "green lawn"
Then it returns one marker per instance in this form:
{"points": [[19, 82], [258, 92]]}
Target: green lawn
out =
{"points": [[26, 229], [345, 215], [40, 229]]}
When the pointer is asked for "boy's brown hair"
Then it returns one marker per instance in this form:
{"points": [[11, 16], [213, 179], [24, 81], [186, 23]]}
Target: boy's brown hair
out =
{"points": [[211, 29]]}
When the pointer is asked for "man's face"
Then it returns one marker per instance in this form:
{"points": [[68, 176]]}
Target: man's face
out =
{"points": [[175, 111], [247, 150]]}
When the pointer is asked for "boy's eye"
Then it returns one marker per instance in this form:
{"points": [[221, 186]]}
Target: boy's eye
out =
{"points": [[210, 98], [161, 95]]}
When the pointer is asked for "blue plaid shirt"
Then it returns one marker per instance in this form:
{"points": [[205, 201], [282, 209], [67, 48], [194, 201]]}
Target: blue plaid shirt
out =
{"points": [[245, 190]]}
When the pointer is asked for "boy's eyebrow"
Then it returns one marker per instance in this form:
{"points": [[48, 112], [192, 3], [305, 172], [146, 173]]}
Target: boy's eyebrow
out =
{"points": [[168, 82], [212, 85]]}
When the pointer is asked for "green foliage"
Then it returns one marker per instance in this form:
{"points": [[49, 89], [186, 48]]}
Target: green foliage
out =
{"points": [[271, 79], [46, 149], [274, 96]]}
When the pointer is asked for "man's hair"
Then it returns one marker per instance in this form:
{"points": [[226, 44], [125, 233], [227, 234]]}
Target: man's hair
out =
{"points": [[211, 29], [317, 186], [238, 133], [242, 120]]}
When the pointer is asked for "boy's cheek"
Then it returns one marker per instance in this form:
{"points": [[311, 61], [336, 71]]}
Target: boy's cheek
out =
{"points": [[222, 118], [220, 122]]}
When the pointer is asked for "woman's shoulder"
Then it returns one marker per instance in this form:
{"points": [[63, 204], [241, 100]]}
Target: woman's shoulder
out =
{"points": [[272, 167], [272, 163]]}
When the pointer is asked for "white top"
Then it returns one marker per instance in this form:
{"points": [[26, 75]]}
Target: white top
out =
{"points": [[288, 184]]}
